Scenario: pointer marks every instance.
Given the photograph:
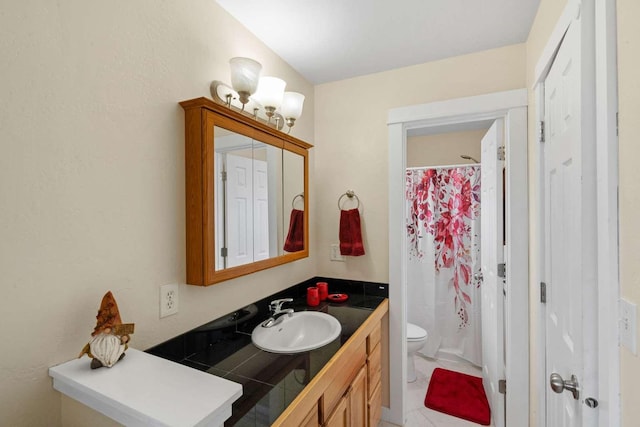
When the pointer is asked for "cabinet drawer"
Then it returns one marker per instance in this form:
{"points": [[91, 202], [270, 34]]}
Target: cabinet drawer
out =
{"points": [[375, 407], [346, 369], [374, 368], [373, 339]]}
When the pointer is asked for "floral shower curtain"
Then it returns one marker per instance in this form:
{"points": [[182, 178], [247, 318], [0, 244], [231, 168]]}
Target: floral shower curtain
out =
{"points": [[443, 234]]}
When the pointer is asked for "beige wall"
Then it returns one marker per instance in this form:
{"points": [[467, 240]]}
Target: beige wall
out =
{"points": [[92, 177], [444, 149], [351, 142], [629, 196]]}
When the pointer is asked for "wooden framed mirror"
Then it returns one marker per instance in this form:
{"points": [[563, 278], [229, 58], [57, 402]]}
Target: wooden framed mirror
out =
{"points": [[246, 194]]}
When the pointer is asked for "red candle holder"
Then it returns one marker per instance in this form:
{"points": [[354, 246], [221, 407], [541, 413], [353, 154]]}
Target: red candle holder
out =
{"points": [[313, 297], [323, 290]]}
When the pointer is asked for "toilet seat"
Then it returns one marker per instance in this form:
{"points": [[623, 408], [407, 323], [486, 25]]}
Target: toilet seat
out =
{"points": [[415, 332]]}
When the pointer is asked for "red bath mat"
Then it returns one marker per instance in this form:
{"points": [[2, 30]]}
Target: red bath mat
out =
{"points": [[458, 394]]}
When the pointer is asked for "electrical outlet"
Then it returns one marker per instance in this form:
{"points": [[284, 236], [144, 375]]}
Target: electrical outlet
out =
{"points": [[628, 319], [335, 253], [168, 300]]}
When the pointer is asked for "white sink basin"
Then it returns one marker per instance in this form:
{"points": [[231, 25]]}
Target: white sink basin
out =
{"points": [[302, 331]]}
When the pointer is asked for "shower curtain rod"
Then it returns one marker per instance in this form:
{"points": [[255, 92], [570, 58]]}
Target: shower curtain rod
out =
{"points": [[443, 166]]}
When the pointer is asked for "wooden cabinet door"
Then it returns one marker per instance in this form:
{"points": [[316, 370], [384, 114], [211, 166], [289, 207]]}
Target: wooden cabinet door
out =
{"points": [[311, 420], [358, 399], [346, 368], [340, 415]]}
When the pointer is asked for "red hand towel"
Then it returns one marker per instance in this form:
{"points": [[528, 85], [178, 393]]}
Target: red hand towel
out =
{"points": [[295, 237], [350, 234]]}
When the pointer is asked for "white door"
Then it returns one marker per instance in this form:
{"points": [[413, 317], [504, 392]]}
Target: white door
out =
{"points": [[492, 254], [569, 230], [239, 210], [260, 210]]}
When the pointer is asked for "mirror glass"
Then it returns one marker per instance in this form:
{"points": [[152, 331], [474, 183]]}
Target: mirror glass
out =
{"points": [[293, 193], [256, 185]]}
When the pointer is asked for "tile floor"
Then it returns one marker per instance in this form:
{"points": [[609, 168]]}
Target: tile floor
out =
{"points": [[419, 415]]}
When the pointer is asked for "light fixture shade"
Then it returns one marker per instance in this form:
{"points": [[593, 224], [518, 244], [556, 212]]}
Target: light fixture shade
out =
{"points": [[271, 91], [245, 74], [292, 105]]}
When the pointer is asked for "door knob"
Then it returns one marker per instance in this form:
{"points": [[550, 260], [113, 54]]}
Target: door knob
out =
{"points": [[559, 385], [478, 277]]}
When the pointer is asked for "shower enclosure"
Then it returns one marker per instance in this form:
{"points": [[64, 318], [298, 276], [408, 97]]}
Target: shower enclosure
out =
{"points": [[443, 237]]}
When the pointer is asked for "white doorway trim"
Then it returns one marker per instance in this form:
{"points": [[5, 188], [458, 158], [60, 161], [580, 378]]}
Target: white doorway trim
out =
{"points": [[512, 107], [604, 34]]}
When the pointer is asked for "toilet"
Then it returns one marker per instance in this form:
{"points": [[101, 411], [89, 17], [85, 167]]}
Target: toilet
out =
{"points": [[416, 339]]}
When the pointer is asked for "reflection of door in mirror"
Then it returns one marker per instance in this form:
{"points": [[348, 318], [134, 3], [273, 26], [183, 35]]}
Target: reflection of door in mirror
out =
{"points": [[237, 207], [293, 192], [248, 200], [267, 189]]}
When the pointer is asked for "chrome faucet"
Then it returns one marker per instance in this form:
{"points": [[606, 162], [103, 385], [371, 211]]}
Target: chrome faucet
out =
{"points": [[275, 308]]}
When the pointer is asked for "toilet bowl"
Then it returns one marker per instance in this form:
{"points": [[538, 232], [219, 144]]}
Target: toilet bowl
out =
{"points": [[416, 339]]}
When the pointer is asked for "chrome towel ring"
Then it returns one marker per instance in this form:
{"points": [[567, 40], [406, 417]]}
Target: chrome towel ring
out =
{"points": [[293, 201], [350, 194]]}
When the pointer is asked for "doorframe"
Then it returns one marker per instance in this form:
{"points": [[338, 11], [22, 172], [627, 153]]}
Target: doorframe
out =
{"points": [[604, 34], [512, 107]]}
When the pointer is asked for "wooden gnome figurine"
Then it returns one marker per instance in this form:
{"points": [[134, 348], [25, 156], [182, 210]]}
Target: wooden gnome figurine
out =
{"points": [[110, 336]]}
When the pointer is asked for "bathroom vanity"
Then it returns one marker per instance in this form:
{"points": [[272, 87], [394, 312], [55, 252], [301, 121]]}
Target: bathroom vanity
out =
{"points": [[347, 391], [340, 384]]}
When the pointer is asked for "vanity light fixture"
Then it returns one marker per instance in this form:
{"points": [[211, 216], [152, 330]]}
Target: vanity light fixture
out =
{"points": [[270, 94], [262, 98], [245, 74], [292, 107]]}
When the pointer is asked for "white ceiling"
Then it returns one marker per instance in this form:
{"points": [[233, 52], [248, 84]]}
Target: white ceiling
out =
{"points": [[329, 40]]}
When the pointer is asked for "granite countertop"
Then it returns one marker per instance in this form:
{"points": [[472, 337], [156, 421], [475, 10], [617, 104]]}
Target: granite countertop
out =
{"points": [[270, 381]]}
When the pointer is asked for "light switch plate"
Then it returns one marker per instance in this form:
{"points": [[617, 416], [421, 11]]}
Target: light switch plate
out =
{"points": [[335, 253], [628, 322]]}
